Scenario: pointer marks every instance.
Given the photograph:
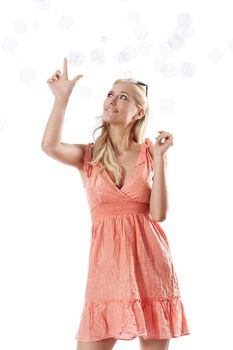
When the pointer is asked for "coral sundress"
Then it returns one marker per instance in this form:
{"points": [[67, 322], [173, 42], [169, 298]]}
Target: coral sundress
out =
{"points": [[132, 288]]}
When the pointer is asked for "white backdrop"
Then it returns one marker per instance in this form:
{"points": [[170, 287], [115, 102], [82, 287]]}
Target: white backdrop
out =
{"points": [[184, 51]]}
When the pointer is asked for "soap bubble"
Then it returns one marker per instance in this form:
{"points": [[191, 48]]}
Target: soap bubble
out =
{"points": [[230, 44], [176, 41], [66, 22], [215, 55], [165, 49], [3, 123], [187, 70], [185, 32], [134, 17], [141, 32], [76, 58], [97, 55], [20, 27], [128, 74], [166, 105], [27, 75], [159, 64], [184, 19], [169, 70], [125, 55], [103, 38], [9, 44], [36, 25], [43, 4], [145, 48]]}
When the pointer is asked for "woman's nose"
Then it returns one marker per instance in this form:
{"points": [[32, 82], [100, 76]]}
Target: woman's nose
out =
{"points": [[113, 100]]}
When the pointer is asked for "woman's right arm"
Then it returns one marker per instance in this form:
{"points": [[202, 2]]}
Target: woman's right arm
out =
{"points": [[70, 154]]}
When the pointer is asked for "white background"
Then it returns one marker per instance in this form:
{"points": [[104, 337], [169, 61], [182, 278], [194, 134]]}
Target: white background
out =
{"points": [[45, 218]]}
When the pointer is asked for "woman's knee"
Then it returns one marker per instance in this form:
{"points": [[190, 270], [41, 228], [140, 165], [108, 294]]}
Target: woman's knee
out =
{"points": [[104, 344]]}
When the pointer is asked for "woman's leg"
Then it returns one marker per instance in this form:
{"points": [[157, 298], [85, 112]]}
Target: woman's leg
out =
{"points": [[153, 344], [105, 344]]}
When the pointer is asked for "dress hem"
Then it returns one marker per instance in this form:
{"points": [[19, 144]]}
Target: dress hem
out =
{"points": [[135, 336]]}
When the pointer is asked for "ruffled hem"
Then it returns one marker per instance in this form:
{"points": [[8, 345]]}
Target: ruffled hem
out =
{"points": [[151, 318]]}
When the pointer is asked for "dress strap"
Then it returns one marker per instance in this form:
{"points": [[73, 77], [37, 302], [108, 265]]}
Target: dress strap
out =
{"points": [[86, 166], [148, 143]]}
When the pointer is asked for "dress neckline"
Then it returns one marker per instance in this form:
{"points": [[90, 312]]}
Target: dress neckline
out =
{"points": [[129, 177]]}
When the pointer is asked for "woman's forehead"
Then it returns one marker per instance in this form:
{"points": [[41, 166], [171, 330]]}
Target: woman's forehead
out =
{"points": [[128, 87]]}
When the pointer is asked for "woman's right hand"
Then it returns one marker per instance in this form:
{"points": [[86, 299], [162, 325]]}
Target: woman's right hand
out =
{"points": [[60, 85]]}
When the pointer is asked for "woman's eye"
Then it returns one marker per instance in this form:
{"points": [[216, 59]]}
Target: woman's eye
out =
{"points": [[125, 97]]}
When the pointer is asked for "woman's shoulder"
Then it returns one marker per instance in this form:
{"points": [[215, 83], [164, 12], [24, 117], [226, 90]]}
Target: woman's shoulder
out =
{"points": [[150, 145]]}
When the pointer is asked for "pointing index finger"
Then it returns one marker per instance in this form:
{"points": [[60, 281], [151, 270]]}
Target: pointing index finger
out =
{"points": [[65, 68]]}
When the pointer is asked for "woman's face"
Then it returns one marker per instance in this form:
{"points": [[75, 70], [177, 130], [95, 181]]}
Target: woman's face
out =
{"points": [[120, 106]]}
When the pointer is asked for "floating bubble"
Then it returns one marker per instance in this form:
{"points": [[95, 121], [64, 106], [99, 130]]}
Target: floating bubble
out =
{"points": [[187, 70], [76, 58], [165, 49], [166, 105], [36, 25], [43, 4], [159, 64], [85, 91], [66, 22], [230, 44], [176, 41], [103, 38], [9, 44], [27, 75], [169, 70], [215, 55], [97, 56], [20, 27], [185, 32], [134, 17], [3, 123], [128, 74], [184, 19], [145, 48], [141, 32], [125, 55]]}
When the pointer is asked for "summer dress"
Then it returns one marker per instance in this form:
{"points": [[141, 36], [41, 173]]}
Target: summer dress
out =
{"points": [[132, 288]]}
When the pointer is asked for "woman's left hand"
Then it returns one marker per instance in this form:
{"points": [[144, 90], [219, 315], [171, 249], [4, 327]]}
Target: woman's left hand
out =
{"points": [[163, 142]]}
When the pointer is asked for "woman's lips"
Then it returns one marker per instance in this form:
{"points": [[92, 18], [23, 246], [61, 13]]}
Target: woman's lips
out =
{"points": [[112, 110]]}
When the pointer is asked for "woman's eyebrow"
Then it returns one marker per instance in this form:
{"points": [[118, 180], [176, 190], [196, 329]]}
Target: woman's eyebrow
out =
{"points": [[120, 92]]}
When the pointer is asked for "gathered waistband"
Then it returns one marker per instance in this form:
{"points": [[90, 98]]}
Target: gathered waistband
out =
{"points": [[118, 208]]}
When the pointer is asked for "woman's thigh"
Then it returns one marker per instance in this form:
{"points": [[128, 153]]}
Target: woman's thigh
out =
{"points": [[105, 344], [153, 344]]}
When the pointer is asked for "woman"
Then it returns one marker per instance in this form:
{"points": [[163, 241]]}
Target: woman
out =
{"points": [[132, 288]]}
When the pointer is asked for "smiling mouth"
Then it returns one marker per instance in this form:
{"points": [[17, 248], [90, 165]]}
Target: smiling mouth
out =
{"points": [[111, 110]]}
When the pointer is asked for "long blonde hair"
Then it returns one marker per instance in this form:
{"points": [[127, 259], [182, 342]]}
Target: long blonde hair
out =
{"points": [[103, 152]]}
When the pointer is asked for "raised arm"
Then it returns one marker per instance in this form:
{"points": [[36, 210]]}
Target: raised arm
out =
{"points": [[71, 154]]}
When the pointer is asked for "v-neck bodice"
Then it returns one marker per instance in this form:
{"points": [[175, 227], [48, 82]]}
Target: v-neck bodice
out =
{"points": [[129, 176], [137, 186]]}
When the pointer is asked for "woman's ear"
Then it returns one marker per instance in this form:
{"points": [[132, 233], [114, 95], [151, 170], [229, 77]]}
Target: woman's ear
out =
{"points": [[141, 113]]}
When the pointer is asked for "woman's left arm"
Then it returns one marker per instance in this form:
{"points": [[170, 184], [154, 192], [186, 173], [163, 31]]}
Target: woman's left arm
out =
{"points": [[158, 197]]}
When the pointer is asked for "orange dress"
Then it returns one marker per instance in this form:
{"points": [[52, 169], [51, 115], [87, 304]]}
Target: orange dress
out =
{"points": [[132, 288]]}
